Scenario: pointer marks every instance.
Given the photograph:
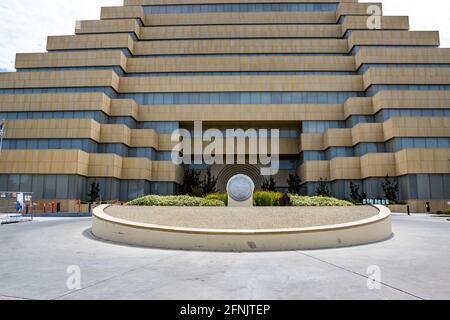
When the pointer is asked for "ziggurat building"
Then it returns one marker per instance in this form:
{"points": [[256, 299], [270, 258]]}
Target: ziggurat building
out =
{"points": [[351, 104]]}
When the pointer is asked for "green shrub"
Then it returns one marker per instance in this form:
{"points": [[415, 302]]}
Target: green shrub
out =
{"points": [[218, 196], [175, 201], [300, 201], [267, 199], [212, 203]]}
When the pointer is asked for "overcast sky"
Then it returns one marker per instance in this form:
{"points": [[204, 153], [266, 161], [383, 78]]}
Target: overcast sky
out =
{"points": [[25, 24]]}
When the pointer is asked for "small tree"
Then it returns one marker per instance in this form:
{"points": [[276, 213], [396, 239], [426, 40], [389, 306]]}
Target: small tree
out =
{"points": [[269, 185], [322, 189], [209, 183], [294, 184], [390, 188], [192, 184], [94, 194], [355, 194]]}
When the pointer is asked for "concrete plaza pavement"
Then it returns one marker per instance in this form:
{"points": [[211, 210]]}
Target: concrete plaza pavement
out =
{"points": [[35, 257]]}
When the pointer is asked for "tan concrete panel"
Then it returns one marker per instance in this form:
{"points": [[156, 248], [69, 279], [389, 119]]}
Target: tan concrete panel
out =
{"points": [[115, 133], [337, 137], [352, 8], [124, 108], [241, 31], [97, 78], [358, 106], [93, 165], [378, 165], [377, 132], [417, 161], [55, 102], [242, 63], [402, 55], [108, 26], [250, 113], [164, 171], [44, 162], [416, 127], [240, 46], [314, 171], [91, 41], [241, 83], [367, 132], [71, 59], [136, 169], [387, 23], [422, 99], [86, 129], [105, 165], [404, 162], [122, 12], [424, 76], [52, 128], [383, 37], [345, 168], [144, 138]]}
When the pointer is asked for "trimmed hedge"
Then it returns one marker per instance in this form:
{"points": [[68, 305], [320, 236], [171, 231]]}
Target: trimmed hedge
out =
{"points": [[218, 196], [261, 199], [267, 199], [302, 201], [175, 201]]}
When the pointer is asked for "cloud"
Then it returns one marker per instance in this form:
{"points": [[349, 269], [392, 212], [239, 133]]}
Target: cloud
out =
{"points": [[423, 15], [25, 24]]}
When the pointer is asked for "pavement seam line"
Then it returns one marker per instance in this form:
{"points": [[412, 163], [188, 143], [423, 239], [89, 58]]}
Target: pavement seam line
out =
{"points": [[14, 297], [100, 282], [360, 275]]}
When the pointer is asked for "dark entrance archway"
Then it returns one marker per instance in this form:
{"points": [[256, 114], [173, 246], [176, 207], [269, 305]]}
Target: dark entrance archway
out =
{"points": [[231, 170]]}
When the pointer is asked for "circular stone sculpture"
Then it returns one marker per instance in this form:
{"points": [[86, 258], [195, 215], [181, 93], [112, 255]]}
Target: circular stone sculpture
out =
{"points": [[240, 190]]}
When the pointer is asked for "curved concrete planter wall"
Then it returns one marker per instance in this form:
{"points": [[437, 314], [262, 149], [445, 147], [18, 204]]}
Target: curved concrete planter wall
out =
{"points": [[377, 228]]}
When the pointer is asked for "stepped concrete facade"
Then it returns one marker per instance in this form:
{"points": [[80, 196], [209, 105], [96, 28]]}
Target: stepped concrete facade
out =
{"points": [[352, 103]]}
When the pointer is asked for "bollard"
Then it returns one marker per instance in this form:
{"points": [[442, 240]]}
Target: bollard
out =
{"points": [[409, 210], [428, 207]]}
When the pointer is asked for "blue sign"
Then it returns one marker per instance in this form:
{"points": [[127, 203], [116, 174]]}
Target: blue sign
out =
{"points": [[381, 202]]}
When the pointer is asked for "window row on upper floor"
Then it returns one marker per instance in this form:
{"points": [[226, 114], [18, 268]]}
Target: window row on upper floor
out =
{"points": [[309, 97], [240, 7], [386, 114], [361, 149], [241, 97], [120, 72], [162, 127], [86, 145], [168, 127], [283, 165], [321, 126]]}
